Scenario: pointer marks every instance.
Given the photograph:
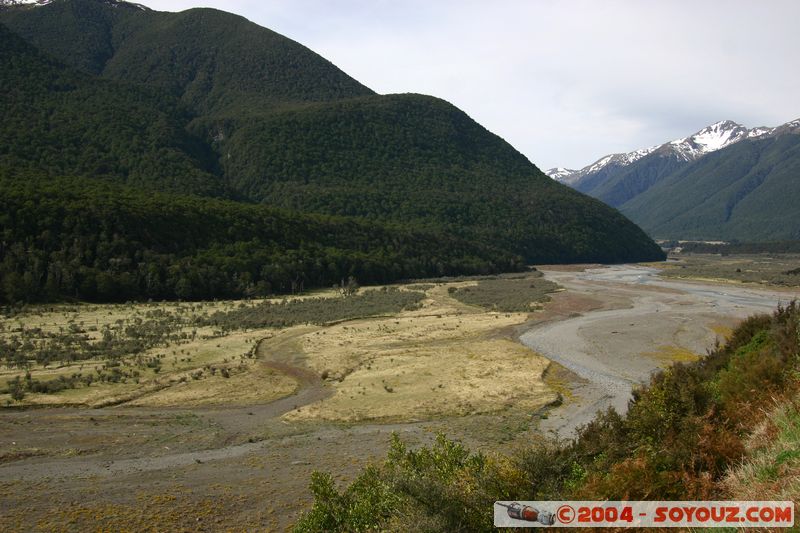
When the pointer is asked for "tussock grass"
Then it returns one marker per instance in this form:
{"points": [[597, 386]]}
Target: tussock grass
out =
{"points": [[442, 359], [317, 310], [772, 470], [105, 354], [669, 354], [679, 440]]}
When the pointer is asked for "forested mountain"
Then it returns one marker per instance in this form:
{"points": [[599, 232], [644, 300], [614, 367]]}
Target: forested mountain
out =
{"points": [[205, 103], [723, 182], [749, 191]]}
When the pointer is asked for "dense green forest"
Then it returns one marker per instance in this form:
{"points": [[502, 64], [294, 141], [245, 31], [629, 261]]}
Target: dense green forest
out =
{"points": [[414, 157], [207, 104], [218, 63], [87, 240], [57, 121], [681, 437]]}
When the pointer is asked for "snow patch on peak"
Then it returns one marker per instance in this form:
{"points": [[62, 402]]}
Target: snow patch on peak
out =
{"points": [[25, 2], [718, 135], [618, 159], [759, 132], [561, 174], [558, 171], [709, 139], [600, 163], [636, 155], [37, 3]]}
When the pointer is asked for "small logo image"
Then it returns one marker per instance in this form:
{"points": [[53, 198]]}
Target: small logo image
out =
{"points": [[517, 511], [566, 514]]}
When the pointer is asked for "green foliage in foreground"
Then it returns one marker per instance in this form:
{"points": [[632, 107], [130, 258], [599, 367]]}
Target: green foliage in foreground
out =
{"points": [[509, 295], [680, 436], [317, 310], [781, 457]]}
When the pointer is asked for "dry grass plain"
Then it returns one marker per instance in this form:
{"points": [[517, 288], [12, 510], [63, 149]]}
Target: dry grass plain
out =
{"points": [[777, 270], [442, 358], [181, 446], [188, 448], [191, 359]]}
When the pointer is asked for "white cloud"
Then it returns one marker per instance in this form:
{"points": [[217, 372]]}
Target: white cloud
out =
{"points": [[564, 81]]}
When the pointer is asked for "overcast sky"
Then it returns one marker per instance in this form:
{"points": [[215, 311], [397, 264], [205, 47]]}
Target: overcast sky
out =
{"points": [[564, 81]]}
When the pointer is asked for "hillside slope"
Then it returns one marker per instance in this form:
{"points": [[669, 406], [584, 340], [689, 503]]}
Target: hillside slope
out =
{"points": [[418, 158], [291, 130], [85, 165], [206, 103], [58, 121], [748, 191], [214, 61]]}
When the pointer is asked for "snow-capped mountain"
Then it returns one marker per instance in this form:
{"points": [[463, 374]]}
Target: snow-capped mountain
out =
{"points": [[561, 174], [23, 2], [36, 3], [572, 177], [723, 182], [713, 138], [707, 140]]}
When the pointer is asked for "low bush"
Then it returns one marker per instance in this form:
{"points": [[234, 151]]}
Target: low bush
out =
{"points": [[506, 294], [316, 310]]}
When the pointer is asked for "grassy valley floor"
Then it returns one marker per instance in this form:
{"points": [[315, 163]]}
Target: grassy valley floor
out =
{"points": [[219, 412]]}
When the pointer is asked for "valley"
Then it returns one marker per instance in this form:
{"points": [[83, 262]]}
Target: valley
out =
{"points": [[180, 458], [242, 289]]}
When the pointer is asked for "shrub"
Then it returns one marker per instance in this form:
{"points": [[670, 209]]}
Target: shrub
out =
{"points": [[505, 294], [16, 389], [316, 310]]}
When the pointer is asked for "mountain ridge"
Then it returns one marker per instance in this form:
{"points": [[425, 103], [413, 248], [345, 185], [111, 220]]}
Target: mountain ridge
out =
{"points": [[722, 182], [706, 140], [748, 191]]}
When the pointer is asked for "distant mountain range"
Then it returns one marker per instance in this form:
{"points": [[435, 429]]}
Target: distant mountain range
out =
{"points": [[146, 154], [724, 182]]}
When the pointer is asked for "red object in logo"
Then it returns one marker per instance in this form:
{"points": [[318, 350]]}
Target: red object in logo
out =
{"points": [[517, 511], [565, 514]]}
